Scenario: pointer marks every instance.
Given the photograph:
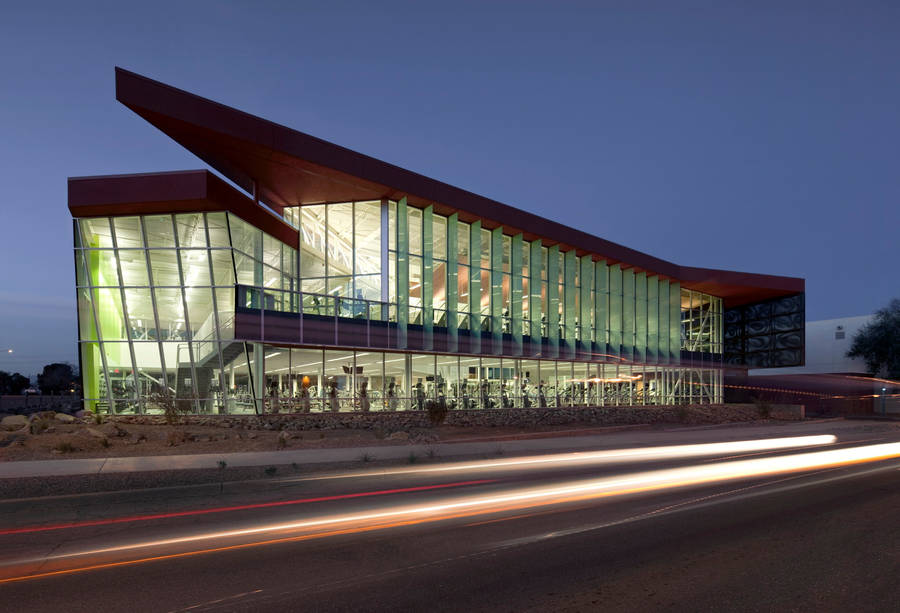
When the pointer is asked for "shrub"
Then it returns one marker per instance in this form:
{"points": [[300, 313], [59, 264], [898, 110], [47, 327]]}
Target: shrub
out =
{"points": [[437, 412], [412, 458], [166, 402], [38, 425], [365, 458], [763, 408], [65, 447], [271, 470]]}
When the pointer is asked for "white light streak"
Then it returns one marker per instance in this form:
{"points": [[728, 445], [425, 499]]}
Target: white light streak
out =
{"points": [[541, 496], [610, 456]]}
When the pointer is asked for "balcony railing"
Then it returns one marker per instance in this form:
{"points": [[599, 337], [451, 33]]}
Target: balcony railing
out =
{"points": [[327, 305]]}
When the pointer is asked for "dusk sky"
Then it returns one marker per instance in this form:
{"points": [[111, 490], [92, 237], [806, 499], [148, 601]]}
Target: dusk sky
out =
{"points": [[758, 137]]}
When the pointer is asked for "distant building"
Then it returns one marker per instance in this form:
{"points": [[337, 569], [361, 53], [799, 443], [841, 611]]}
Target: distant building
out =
{"points": [[829, 381], [827, 344]]}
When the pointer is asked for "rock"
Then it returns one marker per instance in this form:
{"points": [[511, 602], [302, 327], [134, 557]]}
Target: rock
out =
{"points": [[399, 436], [175, 437], [13, 422], [64, 418], [84, 414], [251, 435], [95, 433], [111, 429]]}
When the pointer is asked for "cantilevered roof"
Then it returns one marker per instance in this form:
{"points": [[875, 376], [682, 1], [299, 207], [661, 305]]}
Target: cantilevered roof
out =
{"points": [[291, 168]]}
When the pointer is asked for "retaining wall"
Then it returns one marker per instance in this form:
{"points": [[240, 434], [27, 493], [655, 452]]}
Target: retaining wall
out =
{"points": [[532, 417]]}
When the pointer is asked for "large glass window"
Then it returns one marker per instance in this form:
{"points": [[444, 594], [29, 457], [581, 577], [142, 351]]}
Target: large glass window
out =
{"points": [[340, 377], [191, 230], [396, 381], [701, 322], [159, 231], [128, 232]]}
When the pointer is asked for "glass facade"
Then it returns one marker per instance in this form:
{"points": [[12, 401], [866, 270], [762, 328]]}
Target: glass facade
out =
{"points": [[701, 322], [156, 302], [471, 314]]}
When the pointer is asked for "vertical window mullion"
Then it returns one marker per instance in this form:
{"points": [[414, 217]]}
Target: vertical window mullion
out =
{"points": [[127, 319], [195, 399]]}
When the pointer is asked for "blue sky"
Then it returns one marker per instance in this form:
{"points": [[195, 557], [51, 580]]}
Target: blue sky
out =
{"points": [[755, 136]]}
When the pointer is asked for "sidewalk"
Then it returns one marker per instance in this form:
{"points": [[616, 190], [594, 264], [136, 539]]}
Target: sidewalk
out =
{"points": [[615, 437]]}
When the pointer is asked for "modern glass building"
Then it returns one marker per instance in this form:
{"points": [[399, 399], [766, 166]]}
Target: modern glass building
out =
{"points": [[331, 281]]}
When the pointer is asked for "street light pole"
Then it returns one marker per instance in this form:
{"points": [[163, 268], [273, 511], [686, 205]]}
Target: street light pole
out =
{"points": [[883, 410]]}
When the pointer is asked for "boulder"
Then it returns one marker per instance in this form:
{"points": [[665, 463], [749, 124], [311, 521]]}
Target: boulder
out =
{"points": [[93, 432], [111, 429], [399, 436], [13, 422], [64, 418], [174, 438]]}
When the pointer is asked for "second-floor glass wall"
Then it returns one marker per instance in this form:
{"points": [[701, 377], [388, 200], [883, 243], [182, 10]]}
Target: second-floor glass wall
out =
{"points": [[434, 270]]}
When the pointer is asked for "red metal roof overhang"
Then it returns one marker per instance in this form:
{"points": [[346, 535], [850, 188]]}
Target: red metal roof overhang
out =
{"points": [[290, 168], [185, 191]]}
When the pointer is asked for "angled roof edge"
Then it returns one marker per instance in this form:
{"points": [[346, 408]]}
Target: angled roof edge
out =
{"points": [[278, 161]]}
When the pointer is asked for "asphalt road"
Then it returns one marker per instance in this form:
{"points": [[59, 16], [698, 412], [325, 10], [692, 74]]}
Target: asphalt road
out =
{"points": [[822, 539]]}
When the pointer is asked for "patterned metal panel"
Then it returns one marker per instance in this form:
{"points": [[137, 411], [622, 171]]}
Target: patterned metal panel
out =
{"points": [[766, 334]]}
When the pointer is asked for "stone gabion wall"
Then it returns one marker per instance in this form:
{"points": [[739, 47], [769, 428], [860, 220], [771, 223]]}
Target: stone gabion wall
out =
{"points": [[405, 420]]}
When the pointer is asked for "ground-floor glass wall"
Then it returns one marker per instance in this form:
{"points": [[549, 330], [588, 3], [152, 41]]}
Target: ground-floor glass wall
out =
{"points": [[236, 377]]}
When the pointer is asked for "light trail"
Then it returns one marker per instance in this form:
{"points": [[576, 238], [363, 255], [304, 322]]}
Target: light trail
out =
{"points": [[243, 507], [609, 456], [525, 498]]}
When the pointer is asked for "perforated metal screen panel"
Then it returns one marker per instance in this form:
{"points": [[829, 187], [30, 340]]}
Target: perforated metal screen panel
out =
{"points": [[766, 334]]}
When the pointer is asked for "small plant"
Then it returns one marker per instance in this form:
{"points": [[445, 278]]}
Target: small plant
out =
{"points": [[498, 451], [437, 412], [431, 453], [170, 409], [295, 466], [365, 458], [271, 470], [763, 408], [222, 464], [104, 442], [683, 414], [98, 418], [412, 458], [65, 447], [38, 425]]}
